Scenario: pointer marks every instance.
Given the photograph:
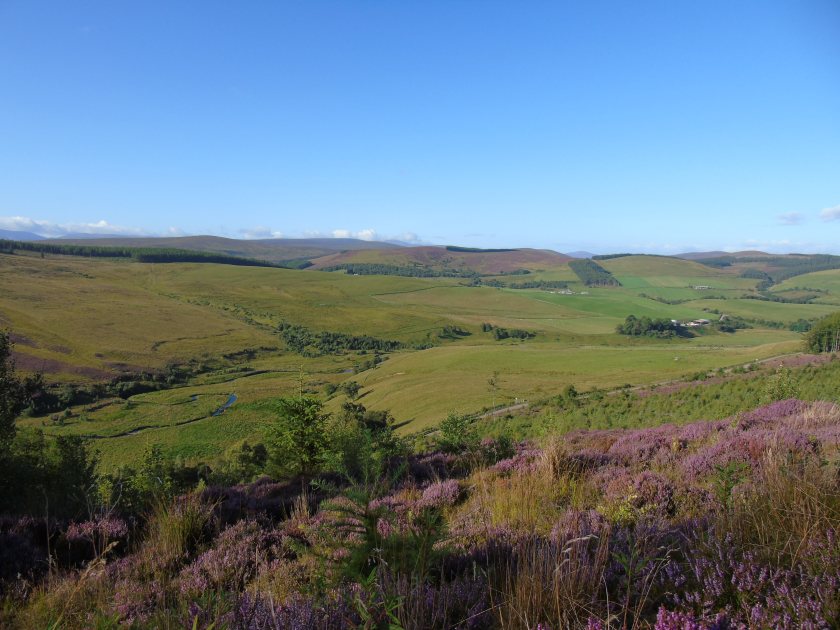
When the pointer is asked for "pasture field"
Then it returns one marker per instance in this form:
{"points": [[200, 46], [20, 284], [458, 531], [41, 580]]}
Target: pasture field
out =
{"points": [[423, 387], [824, 280], [759, 309], [86, 320]]}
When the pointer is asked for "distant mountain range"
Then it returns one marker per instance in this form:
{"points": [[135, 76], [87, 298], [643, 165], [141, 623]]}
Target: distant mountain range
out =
{"points": [[16, 235], [719, 254], [279, 250]]}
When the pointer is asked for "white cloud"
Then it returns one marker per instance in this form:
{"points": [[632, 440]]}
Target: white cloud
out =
{"points": [[408, 237], [791, 218], [260, 232], [364, 235], [831, 214], [50, 229]]}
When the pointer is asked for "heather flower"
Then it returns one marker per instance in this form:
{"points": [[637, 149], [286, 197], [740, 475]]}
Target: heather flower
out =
{"points": [[643, 445], [263, 497], [135, 600], [384, 527], [433, 466], [675, 620], [519, 463], [770, 414], [107, 528], [654, 491], [748, 447], [233, 560], [720, 577], [700, 431], [440, 494]]}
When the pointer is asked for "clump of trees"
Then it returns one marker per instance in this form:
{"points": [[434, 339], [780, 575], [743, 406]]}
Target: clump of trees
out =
{"points": [[528, 284], [500, 333], [645, 326], [453, 332], [358, 444], [476, 250], [408, 271], [825, 335], [731, 323], [312, 344], [592, 274]]}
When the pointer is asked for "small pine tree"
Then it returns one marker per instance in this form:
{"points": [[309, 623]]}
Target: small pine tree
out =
{"points": [[299, 439]]}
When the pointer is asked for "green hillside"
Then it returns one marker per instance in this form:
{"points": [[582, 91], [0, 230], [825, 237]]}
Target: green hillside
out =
{"points": [[217, 329]]}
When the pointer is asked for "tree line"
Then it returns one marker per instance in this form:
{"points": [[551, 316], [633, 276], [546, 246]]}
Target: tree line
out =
{"points": [[528, 284], [500, 333], [408, 271], [139, 254], [311, 344], [645, 326], [777, 268]]}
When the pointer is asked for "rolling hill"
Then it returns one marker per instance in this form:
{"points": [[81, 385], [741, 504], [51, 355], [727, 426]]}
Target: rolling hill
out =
{"points": [[458, 259], [17, 235], [272, 250], [88, 321]]}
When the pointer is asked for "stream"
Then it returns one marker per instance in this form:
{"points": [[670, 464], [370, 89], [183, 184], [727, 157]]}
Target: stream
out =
{"points": [[231, 399]]}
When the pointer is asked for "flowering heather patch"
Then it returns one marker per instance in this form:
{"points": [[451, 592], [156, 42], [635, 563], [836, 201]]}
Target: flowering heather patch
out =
{"points": [[675, 620], [700, 431], [429, 467], [724, 524], [107, 528], [440, 494], [771, 414], [720, 577], [233, 561], [262, 497], [136, 600], [747, 447], [642, 445]]}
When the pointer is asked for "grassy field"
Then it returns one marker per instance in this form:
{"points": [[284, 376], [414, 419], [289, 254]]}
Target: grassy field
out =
{"points": [[825, 280], [89, 319], [84, 320]]}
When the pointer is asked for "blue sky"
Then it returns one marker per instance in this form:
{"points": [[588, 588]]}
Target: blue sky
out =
{"points": [[607, 126]]}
